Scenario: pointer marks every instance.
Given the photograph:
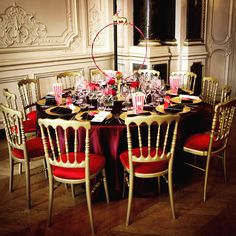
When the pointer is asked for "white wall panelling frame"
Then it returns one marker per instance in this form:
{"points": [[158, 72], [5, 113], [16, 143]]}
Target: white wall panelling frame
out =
{"points": [[221, 41]]}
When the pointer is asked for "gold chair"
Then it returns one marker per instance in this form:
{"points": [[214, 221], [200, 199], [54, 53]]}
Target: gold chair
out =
{"points": [[71, 166], [11, 102], [188, 79], [29, 125], [29, 95], [68, 79], [209, 90], [95, 72], [225, 93], [213, 144], [10, 99], [21, 150], [153, 153], [149, 72]]}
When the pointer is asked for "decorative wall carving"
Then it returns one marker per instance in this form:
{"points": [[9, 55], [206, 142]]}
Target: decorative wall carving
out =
{"points": [[94, 22], [20, 30], [17, 28]]}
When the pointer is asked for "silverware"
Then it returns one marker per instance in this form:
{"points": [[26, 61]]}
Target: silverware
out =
{"points": [[73, 117]]}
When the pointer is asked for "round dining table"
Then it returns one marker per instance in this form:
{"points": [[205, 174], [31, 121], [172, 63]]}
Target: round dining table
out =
{"points": [[108, 138]]}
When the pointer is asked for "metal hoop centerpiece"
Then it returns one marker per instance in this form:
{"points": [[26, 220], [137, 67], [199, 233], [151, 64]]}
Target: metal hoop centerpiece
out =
{"points": [[124, 22]]}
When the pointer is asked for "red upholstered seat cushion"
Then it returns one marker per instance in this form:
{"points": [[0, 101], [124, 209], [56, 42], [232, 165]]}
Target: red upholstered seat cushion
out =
{"points": [[29, 126], [144, 168], [201, 142], [32, 115], [34, 149], [97, 162]]}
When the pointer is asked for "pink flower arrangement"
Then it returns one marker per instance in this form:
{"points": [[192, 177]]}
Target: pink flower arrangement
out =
{"points": [[93, 86], [110, 91]]}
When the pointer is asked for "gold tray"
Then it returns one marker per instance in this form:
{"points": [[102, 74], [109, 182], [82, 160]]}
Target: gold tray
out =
{"points": [[79, 116], [123, 115], [179, 100], [48, 111], [160, 109], [185, 90], [42, 102]]}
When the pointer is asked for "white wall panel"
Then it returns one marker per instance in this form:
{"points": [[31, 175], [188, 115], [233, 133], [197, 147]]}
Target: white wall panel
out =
{"points": [[220, 41], [218, 58], [221, 20]]}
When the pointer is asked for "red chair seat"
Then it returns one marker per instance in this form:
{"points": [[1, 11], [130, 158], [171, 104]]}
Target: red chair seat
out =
{"points": [[32, 115], [29, 126], [144, 168], [34, 148], [200, 142], [97, 162]]}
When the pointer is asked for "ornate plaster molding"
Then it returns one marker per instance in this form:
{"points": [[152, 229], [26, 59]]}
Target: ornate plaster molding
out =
{"points": [[17, 28], [94, 21], [21, 31]]}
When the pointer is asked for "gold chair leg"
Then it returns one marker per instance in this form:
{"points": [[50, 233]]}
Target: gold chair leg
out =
{"points": [[50, 200], [72, 190], [66, 187], [11, 174], [206, 178], [20, 168], [27, 179], [224, 165], [89, 204], [105, 185], [45, 168], [130, 197], [170, 186]]}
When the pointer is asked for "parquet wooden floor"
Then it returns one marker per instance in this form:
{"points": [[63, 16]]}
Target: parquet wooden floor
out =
{"points": [[151, 216]]}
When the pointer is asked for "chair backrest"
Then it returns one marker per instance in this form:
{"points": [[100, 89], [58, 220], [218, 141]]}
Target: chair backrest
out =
{"points": [[222, 122], [155, 131], [29, 94], [14, 127], [68, 79], [188, 79], [209, 90], [64, 142], [225, 93], [95, 72], [10, 99], [149, 72]]}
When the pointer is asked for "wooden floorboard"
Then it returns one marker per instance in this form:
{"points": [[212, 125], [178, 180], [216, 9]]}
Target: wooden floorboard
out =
{"points": [[151, 216]]}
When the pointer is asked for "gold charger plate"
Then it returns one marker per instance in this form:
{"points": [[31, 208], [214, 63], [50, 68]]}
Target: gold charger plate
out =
{"points": [[123, 115], [42, 102], [160, 109], [179, 100], [48, 111], [185, 90], [79, 116]]}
